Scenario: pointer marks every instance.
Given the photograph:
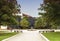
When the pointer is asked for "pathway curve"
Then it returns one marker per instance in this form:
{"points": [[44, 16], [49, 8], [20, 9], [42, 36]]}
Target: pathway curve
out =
{"points": [[27, 36]]}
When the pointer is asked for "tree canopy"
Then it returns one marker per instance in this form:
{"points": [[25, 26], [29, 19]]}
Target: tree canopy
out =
{"points": [[40, 23], [7, 8], [52, 8], [24, 23], [52, 11]]}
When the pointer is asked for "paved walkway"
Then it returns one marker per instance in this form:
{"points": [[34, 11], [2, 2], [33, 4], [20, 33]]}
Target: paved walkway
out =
{"points": [[27, 36]]}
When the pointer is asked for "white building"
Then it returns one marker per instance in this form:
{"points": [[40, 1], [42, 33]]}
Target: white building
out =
{"points": [[3, 27]]}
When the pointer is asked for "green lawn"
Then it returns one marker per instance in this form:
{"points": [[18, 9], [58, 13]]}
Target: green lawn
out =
{"points": [[53, 36], [6, 35]]}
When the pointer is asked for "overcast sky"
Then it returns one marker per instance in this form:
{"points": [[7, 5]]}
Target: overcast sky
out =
{"points": [[30, 7]]}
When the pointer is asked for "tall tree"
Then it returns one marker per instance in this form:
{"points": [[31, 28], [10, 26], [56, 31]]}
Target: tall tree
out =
{"points": [[7, 8], [52, 9], [52, 14]]}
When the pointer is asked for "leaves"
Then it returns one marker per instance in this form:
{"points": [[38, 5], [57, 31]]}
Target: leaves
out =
{"points": [[24, 23], [7, 8], [40, 22], [52, 15]]}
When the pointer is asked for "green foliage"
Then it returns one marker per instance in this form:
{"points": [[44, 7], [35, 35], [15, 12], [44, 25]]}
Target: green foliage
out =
{"points": [[6, 20], [52, 14], [39, 23], [6, 10], [13, 21], [53, 11], [24, 23], [25, 17]]}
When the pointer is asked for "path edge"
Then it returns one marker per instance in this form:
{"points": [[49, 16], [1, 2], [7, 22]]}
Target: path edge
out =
{"points": [[46, 39], [10, 37]]}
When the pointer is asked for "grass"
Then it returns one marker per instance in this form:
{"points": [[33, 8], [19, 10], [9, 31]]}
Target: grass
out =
{"points": [[53, 36], [6, 35]]}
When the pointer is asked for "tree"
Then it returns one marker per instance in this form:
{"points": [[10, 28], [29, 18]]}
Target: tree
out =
{"points": [[24, 23], [39, 23], [52, 9], [7, 8]]}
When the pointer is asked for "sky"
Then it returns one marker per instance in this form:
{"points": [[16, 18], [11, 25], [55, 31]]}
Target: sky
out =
{"points": [[30, 7]]}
